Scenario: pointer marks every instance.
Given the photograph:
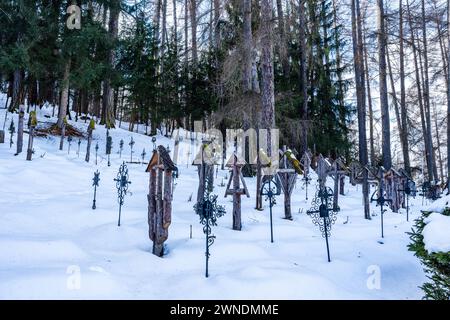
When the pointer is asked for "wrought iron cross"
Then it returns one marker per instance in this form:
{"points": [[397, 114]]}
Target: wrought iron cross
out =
{"points": [[96, 152], [154, 143], [323, 213], [409, 189], [271, 188], [306, 181], [143, 155], [78, 150], [122, 183], [95, 182], [131, 149], [120, 148], [11, 130], [381, 200], [209, 211], [69, 140]]}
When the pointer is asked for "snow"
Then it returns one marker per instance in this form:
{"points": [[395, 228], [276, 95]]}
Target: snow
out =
{"points": [[436, 235], [439, 205], [53, 245]]}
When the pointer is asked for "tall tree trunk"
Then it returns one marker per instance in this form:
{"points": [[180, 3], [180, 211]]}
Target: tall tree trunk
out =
{"points": [[267, 76], [17, 83], [401, 131], [419, 94], [303, 86], [247, 46], [426, 92], [438, 140], [384, 105], [108, 93], [369, 102], [63, 105], [164, 27], [403, 111], [448, 97], [193, 16], [283, 42], [216, 24], [360, 99]]}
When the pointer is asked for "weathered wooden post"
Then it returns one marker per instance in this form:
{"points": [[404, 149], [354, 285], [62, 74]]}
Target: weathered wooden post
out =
{"points": [[323, 169], [20, 129], [32, 125], [338, 172], [287, 173], [205, 157], [88, 148], [236, 164], [160, 194]]}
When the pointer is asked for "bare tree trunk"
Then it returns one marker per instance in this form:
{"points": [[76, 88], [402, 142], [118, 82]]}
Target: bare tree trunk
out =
{"points": [[17, 82], [63, 105], [419, 95], [302, 78], [448, 97], [403, 111], [193, 16], [20, 129], [426, 92], [108, 93], [247, 45], [396, 107], [283, 42], [441, 166], [164, 27], [267, 76], [216, 23], [384, 105], [369, 102], [360, 98]]}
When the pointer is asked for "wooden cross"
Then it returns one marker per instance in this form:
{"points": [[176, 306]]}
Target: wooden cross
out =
{"points": [[236, 163]]}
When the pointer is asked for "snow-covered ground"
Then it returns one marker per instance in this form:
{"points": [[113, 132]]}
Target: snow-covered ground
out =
{"points": [[53, 245]]}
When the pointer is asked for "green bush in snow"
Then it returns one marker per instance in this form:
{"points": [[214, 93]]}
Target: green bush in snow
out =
{"points": [[436, 264]]}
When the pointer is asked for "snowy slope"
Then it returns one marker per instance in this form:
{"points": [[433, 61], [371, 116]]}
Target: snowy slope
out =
{"points": [[48, 232]]}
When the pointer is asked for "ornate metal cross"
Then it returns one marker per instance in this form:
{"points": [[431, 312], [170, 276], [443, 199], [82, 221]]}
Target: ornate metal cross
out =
{"points": [[306, 181], [11, 130], [271, 188], [209, 211], [154, 143], [122, 183], [409, 189], [78, 150], [108, 148], [323, 213], [69, 140], [381, 200], [143, 155], [120, 148], [96, 152], [95, 182], [131, 149]]}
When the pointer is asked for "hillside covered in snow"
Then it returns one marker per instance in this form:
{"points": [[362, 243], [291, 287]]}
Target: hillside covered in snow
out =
{"points": [[55, 246]]}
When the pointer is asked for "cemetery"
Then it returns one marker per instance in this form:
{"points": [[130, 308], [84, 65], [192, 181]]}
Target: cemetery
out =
{"points": [[225, 150], [219, 235]]}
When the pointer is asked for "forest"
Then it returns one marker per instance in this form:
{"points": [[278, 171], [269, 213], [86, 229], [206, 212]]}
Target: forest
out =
{"points": [[356, 88], [369, 89]]}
